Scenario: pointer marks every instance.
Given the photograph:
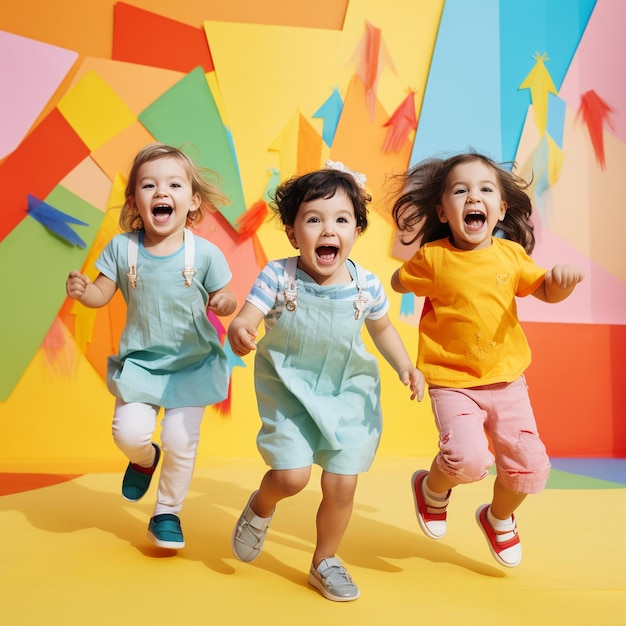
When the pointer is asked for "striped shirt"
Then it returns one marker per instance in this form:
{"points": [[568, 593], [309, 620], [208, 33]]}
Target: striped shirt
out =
{"points": [[267, 293]]}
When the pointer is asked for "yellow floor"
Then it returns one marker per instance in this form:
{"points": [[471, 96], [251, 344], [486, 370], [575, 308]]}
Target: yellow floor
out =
{"points": [[77, 553]]}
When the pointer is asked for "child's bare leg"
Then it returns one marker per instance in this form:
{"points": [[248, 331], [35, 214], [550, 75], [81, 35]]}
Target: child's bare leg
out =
{"points": [[333, 514], [277, 485], [437, 481], [499, 527], [252, 526], [505, 501]]}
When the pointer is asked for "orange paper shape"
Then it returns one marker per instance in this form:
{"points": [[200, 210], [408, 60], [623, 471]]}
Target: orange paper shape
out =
{"points": [[149, 39], [309, 147], [595, 112], [358, 142]]}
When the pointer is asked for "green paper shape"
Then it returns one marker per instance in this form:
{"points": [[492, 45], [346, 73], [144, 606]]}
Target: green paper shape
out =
{"points": [[565, 480], [34, 264], [186, 117]]}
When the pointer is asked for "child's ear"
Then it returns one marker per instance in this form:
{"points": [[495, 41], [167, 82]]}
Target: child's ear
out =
{"points": [[502, 211], [196, 201], [291, 235], [441, 214]]}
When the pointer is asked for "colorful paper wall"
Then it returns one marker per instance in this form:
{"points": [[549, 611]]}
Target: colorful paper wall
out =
{"points": [[265, 90]]}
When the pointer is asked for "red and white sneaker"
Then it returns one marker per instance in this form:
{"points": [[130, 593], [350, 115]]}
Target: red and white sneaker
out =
{"points": [[505, 547], [432, 519]]}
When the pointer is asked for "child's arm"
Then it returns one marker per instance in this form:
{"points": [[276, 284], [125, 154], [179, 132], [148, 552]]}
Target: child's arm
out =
{"points": [[389, 344], [559, 283], [242, 331], [396, 285], [222, 302], [94, 295]]}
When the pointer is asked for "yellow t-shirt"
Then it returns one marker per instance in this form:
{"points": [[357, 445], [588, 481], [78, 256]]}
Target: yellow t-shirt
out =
{"points": [[469, 334]]}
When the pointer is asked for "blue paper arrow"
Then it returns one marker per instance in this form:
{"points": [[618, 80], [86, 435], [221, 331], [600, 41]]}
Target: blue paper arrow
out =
{"points": [[330, 112], [55, 220]]}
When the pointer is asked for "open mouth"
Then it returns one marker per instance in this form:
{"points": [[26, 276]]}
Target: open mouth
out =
{"points": [[327, 254], [161, 212], [475, 220]]}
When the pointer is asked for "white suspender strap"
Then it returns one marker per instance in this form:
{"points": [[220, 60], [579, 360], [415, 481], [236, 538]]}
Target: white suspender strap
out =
{"points": [[291, 289], [190, 251], [133, 253]]}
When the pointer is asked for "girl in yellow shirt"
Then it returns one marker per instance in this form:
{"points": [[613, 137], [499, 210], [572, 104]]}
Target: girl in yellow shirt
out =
{"points": [[472, 349]]}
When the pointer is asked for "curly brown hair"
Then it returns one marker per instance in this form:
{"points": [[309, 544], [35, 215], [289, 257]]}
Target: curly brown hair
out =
{"points": [[324, 183], [211, 197], [421, 187]]}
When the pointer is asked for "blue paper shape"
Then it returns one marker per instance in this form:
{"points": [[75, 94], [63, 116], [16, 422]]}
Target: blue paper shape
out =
{"points": [[55, 220], [407, 304], [556, 119], [330, 112], [472, 99], [231, 358]]}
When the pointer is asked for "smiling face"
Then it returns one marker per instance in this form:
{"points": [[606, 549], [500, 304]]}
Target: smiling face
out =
{"points": [[325, 230], [472, 205], [163, 197]]}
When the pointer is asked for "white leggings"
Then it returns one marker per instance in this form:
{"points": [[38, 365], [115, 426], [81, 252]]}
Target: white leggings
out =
{"points": [[134, 424]]}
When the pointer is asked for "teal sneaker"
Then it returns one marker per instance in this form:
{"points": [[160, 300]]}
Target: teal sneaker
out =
{"points": [[165, 531], [333, 581], [137, 479]]}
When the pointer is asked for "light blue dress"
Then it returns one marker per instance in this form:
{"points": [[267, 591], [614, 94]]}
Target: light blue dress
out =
{"points": [[318, 389], [170, 354]]}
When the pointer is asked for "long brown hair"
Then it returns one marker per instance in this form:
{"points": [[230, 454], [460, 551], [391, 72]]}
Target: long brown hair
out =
{"points": [[421, 188]]}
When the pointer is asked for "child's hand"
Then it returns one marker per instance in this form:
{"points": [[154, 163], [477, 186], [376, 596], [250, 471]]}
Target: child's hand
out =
{"points": [[564, 276], [414, 379], [222, 303], [241, 339], [76, 284]]}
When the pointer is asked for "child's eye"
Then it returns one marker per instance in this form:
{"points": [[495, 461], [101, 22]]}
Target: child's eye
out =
{"points": [[460, 190], [486, 189], [175, 185], [342, 220], [313, 220], [147, 186]]}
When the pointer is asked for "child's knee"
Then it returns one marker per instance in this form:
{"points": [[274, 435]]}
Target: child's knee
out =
{"points": [[467, 467], [529, 471], [291, 482]]}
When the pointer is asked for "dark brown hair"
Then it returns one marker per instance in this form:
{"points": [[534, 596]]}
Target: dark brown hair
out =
{"points": [[421, 188]]}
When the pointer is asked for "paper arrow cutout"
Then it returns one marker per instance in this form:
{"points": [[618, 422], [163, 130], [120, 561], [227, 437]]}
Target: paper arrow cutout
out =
{"points": [[401, 123], [252, 219], [373, 57], [56, 221], [330, 112], [595, 112], [540, 84]]}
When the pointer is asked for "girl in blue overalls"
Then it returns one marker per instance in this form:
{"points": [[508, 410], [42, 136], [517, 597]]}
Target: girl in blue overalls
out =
{"points": [[317, 387], [170, 355]]}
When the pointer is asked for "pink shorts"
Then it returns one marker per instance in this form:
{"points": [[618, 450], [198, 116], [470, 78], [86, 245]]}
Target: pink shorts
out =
{"points": [[468, 419]]}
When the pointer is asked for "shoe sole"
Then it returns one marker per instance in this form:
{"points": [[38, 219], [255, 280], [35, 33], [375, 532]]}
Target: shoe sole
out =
{"points": [[420, 520], [170, 545], [495, 555], [320, 587]]}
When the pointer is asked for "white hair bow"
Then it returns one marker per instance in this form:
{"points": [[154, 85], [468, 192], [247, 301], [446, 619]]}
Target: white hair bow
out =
{"points": [[360, 179]]}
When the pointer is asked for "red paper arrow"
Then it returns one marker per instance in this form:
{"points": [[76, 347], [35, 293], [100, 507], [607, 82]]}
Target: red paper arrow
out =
{"points": [[401, 123], [595, 112]]}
